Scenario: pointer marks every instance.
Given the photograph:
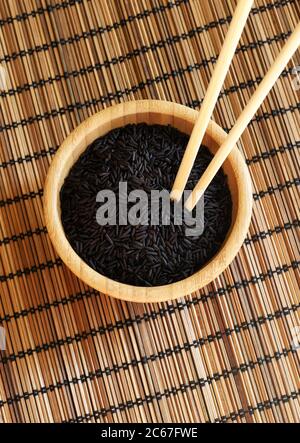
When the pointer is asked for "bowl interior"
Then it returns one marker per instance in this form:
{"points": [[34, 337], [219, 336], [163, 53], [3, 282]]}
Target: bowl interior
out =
{"points": [[151, 112]]}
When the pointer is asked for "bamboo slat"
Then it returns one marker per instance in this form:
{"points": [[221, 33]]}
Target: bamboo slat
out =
{"points": [[226, 353]]}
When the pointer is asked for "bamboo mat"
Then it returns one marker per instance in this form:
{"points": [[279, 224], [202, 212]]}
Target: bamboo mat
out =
{"points": [[227, 353]]}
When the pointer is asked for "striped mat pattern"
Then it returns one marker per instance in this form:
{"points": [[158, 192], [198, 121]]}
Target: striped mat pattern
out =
{"points": [[227, 353]]}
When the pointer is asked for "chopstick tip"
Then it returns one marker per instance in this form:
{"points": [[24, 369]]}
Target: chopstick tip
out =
{"points": [[175, 195], [193, 199]]}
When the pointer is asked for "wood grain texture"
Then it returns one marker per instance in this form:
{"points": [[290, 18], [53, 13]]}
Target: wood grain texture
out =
{"points": [[227, 352], [246, 116], [230, 44], [151, 112]]}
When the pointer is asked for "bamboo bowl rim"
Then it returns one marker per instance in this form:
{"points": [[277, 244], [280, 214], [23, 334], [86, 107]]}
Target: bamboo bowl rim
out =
{"points": [[77, 142]]}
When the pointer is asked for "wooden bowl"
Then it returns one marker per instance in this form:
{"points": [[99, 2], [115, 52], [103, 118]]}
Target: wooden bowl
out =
{"points": [[151, 112]]}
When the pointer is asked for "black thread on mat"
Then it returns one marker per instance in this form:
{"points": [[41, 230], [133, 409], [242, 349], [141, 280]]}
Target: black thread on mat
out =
{"points": [[170, 309], [40, 11], [271, 190], [261, 406], [49, 264], [28, 234], [258, 118], [226, 373], [257, 196], [230, 417], [40, 266], [93, 332], [174, 391], [142, 85], [124, 21], [93, 102], [70, 108], [95, 31], [29, 157], [276, 112], [270, 232], [52, 150], [58, 262], [27, 196], [272, 153], [92, 33], [88, 293], [279, 187], [270, 6], [262, 235], [143, 14], [183, 387]]}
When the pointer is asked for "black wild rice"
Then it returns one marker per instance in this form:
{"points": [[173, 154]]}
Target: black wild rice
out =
{"points": [[146, 157]]}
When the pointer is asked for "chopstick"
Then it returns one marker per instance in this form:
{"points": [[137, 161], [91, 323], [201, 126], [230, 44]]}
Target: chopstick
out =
{"points": [[215, 85], [241, 124]]}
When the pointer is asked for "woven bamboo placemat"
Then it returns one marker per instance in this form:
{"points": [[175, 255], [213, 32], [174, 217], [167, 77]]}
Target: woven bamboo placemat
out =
{"points": [[226, 353]]}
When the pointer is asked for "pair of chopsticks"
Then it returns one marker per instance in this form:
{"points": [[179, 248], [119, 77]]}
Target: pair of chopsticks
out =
{"points": [[231, 41]]}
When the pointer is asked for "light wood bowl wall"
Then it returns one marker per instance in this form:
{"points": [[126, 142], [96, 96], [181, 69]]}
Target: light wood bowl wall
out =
{"points": [[151, 112]]}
